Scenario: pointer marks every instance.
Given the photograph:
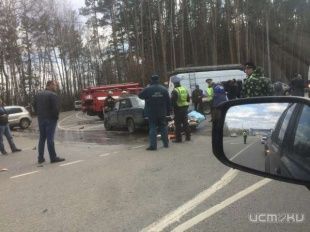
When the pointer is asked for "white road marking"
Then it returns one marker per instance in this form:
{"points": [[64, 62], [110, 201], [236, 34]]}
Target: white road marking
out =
{"points": [[138, 147], [79, 117], [106, 154], [61, 121], [213, 210], [190, 205], [70, 163], [241, 151], [25, 174]]}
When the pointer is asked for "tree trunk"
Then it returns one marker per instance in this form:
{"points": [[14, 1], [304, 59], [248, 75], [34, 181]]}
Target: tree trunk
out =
{"points": [[163, 41]]}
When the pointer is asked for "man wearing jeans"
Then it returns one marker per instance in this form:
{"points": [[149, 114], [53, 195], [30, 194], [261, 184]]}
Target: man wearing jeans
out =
{"points": [[46, 106], [5, 131], [157, 107]]}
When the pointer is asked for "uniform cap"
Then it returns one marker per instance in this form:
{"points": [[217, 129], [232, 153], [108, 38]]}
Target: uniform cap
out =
{"points": [[249, 65], [175, 79], [155, 77]]}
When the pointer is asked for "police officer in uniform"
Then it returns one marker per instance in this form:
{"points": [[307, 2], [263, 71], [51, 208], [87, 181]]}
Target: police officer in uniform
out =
{"points": [[157, 108], [180, 102]]}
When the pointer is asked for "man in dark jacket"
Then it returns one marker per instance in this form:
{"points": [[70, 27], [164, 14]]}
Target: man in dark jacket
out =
{"points": [[5, 131], [297, 86], [180, 102], [46, 106], [157, 107], [197, 95]]}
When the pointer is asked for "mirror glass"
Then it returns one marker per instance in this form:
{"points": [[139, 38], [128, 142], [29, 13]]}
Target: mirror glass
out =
{"points": [[269, 137]]}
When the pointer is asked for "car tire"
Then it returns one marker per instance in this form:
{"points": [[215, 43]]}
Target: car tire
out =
{"points": [[24, 123], [107, 125], [131, 126]]}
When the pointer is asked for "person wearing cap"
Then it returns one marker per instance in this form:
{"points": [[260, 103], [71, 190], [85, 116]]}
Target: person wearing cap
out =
{"points": [[255, 85], [109, 102], [180, 102], [157, 108]]}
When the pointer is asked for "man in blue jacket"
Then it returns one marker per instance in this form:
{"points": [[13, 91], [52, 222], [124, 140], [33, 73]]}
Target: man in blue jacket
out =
{"points": [[46, 106], [157, 107]]}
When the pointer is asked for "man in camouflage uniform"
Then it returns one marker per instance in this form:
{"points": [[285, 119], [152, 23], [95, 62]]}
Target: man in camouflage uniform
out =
{"points": [[255, 85]]}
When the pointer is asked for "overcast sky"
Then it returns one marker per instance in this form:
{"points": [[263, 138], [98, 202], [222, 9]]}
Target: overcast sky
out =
{"points": [[76, 4], [258, 116]]}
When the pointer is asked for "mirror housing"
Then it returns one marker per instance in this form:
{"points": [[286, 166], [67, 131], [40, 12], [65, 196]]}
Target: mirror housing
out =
{"points": [[218, 135]]}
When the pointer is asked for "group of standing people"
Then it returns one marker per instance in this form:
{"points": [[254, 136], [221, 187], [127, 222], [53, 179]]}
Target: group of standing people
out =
{"points": [[159, 106]]}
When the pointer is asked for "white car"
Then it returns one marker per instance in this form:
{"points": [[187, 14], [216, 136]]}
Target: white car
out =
{"points": [[263, 139], [18, 116]]}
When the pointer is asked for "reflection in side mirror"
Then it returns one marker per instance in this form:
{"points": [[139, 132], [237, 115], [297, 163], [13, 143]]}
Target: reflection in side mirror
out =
{"points": [[269, 137]]}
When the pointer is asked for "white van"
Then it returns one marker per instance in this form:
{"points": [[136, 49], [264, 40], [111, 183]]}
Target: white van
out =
{"points": [[192, 76]]}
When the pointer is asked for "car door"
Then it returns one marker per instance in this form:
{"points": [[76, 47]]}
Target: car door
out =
{"points": [[14, 115], [124, 111], [112, 115]]}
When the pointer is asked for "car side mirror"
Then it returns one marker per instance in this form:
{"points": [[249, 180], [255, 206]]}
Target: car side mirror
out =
{"points": [[273, 137]]}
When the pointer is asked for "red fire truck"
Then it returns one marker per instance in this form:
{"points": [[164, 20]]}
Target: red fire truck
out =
{"points": [[93, 97]]}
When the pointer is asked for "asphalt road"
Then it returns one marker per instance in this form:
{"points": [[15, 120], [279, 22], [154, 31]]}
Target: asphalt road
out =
{"points": [[250, 154], [109, 182]]}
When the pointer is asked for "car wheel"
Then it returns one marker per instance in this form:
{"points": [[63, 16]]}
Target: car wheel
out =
{"points": [[24, 123], [107, 125], [131, 125]]}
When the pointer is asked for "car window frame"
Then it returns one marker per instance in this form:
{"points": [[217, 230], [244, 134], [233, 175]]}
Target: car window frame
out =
{"points": [[285, 143], [127, 106], [293, 134], [12, 109]]}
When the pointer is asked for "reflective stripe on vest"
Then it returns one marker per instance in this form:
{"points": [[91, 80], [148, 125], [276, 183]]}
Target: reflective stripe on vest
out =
{"points": [[182, 96]]}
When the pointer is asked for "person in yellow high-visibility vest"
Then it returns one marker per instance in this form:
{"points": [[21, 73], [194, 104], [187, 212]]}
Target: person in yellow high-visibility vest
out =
{"points": [[180, 99], [210, 95]]}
